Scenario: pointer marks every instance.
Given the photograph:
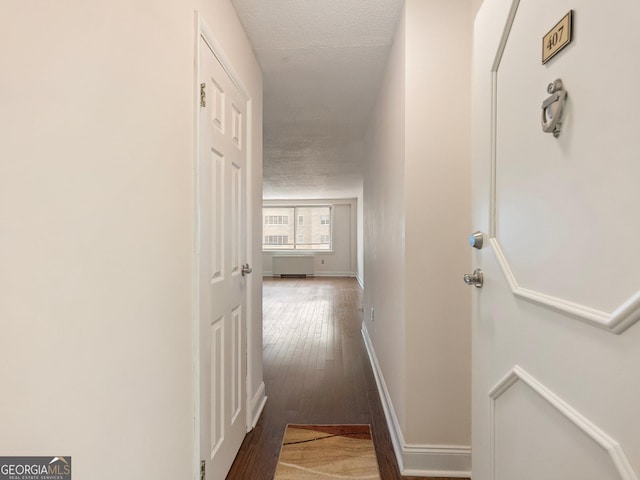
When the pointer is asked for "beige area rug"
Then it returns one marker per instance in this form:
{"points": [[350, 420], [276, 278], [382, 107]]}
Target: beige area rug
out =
{"points": [[311, 452]]}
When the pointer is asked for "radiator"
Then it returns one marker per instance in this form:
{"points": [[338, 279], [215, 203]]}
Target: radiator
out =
{"points": [[294, 265]]}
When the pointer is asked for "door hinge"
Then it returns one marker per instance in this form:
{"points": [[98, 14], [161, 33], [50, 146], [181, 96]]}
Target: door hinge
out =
{"points": [[203, 465], [203, 95]]}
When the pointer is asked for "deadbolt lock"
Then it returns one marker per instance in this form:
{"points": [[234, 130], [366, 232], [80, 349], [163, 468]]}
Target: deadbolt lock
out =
{"points": [[476, 239]]}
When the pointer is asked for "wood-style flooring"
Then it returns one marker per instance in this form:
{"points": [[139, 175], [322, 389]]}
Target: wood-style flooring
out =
{"points": [[316, 371]]}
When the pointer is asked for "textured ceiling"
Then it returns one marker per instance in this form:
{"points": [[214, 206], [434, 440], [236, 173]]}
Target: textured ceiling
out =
{"points": [[323, 62]]}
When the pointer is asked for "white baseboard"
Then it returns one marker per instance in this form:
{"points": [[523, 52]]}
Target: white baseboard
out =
{"points": [[436, 461], [334, 274], [417, 460], [257, 405], [322, 274], [387, 406], [360, 281]]}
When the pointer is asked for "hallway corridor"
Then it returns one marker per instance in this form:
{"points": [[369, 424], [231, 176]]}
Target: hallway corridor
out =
{"points": [[316, 371]]}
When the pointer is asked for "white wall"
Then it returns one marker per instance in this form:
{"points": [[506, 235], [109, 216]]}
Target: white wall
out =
{"points": [[360, 239], [96, 219], [384, 248], [342, 261], [437, 213], [475, 6], [417, 217]]}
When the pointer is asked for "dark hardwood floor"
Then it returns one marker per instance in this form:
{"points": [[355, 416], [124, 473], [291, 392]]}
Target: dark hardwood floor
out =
{"points": [[316, 371]]}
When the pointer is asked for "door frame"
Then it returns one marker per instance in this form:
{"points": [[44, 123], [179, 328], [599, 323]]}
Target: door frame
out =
{"points": [[204, 32]]}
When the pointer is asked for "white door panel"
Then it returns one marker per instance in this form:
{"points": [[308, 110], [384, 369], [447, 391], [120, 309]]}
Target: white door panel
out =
{"points": [[560, 299], [559, 444], [539, 238], [222, 246]]}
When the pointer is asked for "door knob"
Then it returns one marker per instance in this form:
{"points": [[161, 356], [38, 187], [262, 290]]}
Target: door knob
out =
{"points": [[476, 278], [246, 269]]}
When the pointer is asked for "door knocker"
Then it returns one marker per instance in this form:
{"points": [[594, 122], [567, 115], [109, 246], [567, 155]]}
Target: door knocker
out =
{"points": [[552, 108]]}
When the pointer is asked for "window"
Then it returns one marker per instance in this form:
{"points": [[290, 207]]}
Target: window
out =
{"points": [[309, 229], [276, 220], [276, 240]]}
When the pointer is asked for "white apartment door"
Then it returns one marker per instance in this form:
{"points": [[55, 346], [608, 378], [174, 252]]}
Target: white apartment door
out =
{"points": [[556, 344], [221, 179]]}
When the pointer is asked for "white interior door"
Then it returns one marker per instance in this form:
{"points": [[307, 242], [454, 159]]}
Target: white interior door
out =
{"points": [[222, 245], [556, 347]]}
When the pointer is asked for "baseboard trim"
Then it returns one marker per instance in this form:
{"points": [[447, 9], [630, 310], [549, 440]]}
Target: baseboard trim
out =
{"points": [[258, 402], [414, 459], [385, 398], [334, 274], [436, 461], [320, 274]]}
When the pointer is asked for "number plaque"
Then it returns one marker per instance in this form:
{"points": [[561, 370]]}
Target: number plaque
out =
{"points": [[557, 38]]}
